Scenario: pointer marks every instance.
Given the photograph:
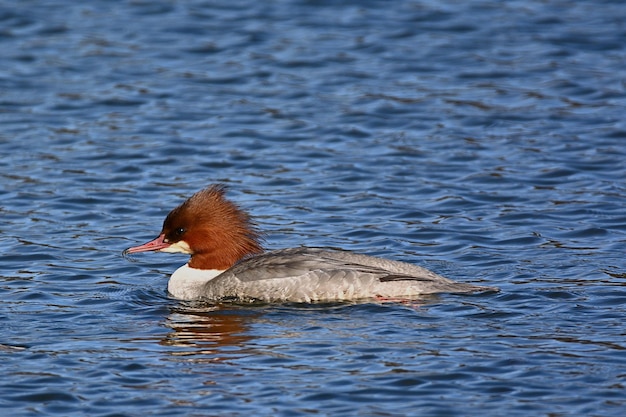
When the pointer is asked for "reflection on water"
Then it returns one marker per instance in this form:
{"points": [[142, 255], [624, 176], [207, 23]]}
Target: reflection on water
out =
{"points": [[226, 330], [208, 330]]}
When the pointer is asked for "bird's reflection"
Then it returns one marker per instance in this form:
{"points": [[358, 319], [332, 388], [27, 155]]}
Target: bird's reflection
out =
{"points": [[210, 330], [214, 333]]}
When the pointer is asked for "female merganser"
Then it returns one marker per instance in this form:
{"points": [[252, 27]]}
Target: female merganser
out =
{"points": [[228, 263]]}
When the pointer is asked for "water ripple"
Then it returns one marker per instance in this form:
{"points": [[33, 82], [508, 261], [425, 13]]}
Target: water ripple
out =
{"points": [[481, 141]]}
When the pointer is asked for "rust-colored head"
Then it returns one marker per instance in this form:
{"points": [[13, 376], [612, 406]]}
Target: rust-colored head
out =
{"points": [[214, 231]]}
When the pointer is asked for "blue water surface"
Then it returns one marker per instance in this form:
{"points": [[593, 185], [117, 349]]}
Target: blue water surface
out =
{"points": [[483, 140]]}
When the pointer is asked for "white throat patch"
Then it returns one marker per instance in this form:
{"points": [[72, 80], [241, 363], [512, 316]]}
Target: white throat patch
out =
{"points": [[178, 247]]}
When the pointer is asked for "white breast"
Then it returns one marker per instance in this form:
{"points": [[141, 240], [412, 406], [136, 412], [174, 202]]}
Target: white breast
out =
{"points": [[186, 283]]}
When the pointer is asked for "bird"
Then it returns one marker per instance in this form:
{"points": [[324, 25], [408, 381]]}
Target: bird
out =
{"points": [[228, 262]]}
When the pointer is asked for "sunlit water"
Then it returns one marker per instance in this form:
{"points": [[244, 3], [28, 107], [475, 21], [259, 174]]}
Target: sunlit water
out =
{"points": [[483, 140]]}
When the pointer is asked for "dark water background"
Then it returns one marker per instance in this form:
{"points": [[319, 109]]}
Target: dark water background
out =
{"points": [[484, 140]]}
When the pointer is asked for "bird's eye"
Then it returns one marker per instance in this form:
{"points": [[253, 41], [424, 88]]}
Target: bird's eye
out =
{"points": [[180, 231]]}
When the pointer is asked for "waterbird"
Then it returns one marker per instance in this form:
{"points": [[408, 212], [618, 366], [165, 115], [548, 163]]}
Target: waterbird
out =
{"points": [[228, 262]]}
